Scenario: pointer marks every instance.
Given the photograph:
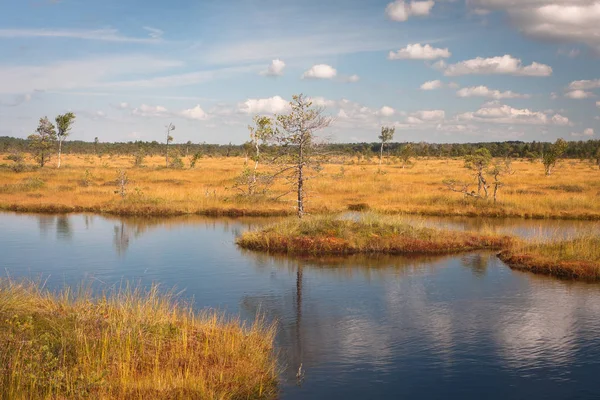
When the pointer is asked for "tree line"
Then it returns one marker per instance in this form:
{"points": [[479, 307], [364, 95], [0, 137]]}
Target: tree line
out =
{"points": [[515, 149]]}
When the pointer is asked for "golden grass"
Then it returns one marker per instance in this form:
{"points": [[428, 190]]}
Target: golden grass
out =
{"points": [[573, 191], [128, 344], [370, 234], [577, 258]]}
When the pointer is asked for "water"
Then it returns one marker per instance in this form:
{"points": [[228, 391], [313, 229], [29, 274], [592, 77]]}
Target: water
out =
{"points": [[463, 326]]}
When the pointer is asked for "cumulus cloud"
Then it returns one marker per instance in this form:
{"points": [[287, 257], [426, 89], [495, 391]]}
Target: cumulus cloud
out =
{"points": [[271, 105], [484, 91], [322, 102], [352, 79], [196, 113], [585, 85], [423, 116], [504, 114], [504, 65], [275, 69], [419, 52], [579, 94], [386, 111], [320, 71], [598, 104], [432, 85], [556, 20], [149, 111], [400, 10], [588, 132]]}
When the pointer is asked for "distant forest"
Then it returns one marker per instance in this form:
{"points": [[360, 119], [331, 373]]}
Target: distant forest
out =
{"points": [[515, 149]]}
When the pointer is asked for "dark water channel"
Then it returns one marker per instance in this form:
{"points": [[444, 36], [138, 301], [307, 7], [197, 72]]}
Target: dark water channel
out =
{"points": [[464, 326]]}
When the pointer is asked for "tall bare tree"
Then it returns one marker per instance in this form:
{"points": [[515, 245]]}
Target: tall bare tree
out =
{"points": [[387, 134], [64, 123], [170, 128], [299, 149], [478, 162], [42, 141]]}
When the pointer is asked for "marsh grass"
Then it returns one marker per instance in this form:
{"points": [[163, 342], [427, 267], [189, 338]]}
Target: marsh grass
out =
{"points": [[366, 233], [572, 258], [127, 343], [571, 192]]}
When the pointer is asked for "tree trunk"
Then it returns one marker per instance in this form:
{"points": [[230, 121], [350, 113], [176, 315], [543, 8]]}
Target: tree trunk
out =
{"points": [[167, 154], [301, 182], [59, 151], [381, 154]]}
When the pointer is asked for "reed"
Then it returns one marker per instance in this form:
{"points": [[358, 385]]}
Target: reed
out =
{"points": [[127, 343]]}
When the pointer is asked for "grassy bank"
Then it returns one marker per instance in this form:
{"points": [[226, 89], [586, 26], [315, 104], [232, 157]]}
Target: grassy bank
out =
{"points": [[577, 258], [370, 233], [88, 184], [129, 344]]}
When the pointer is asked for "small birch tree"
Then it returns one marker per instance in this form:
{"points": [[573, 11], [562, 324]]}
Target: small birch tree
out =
{"points": [[551, 156], [169, 139], [387, 134], [64, 123], [42, 141]]}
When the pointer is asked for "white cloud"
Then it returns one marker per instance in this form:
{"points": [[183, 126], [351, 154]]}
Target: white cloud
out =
{"points": [[320, 71], [106, 35], [556, 20], [352, 79], [154, 33], [505, 65], [598, 104], [386, 111], [419, 52], [503, 114], [585, 85], [400, 10], [123, 106], [149, 111], [588, 132], [196, 113], [483, 91], [272, 105], [275, 69], [432, 85], [579, 94], [322, 102], [423, 116]]}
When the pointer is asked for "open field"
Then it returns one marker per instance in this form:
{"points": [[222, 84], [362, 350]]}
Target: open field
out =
{"points": [[87, 183], [368, 234], [126, 344]]}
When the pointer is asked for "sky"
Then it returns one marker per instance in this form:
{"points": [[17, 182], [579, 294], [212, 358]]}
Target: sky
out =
{"points": [[441, 71]]}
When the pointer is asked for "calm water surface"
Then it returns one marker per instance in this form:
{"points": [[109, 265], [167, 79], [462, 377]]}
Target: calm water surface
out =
{"points": [[390, 327]]}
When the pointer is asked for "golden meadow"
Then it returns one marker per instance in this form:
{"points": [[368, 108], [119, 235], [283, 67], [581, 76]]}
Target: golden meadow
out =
{"points": [[88, 183]]}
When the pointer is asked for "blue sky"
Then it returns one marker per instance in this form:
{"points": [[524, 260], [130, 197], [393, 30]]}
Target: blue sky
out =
{"points": [[438, 70]]}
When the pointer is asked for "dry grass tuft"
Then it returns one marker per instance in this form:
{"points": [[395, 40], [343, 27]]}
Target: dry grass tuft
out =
{"points": [[127, 344]]}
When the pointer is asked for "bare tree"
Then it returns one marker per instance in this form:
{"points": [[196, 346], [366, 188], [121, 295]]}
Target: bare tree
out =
{"points": [[299, 151], [64, 123], [478, 162], [169, 139], [387, 134]]}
